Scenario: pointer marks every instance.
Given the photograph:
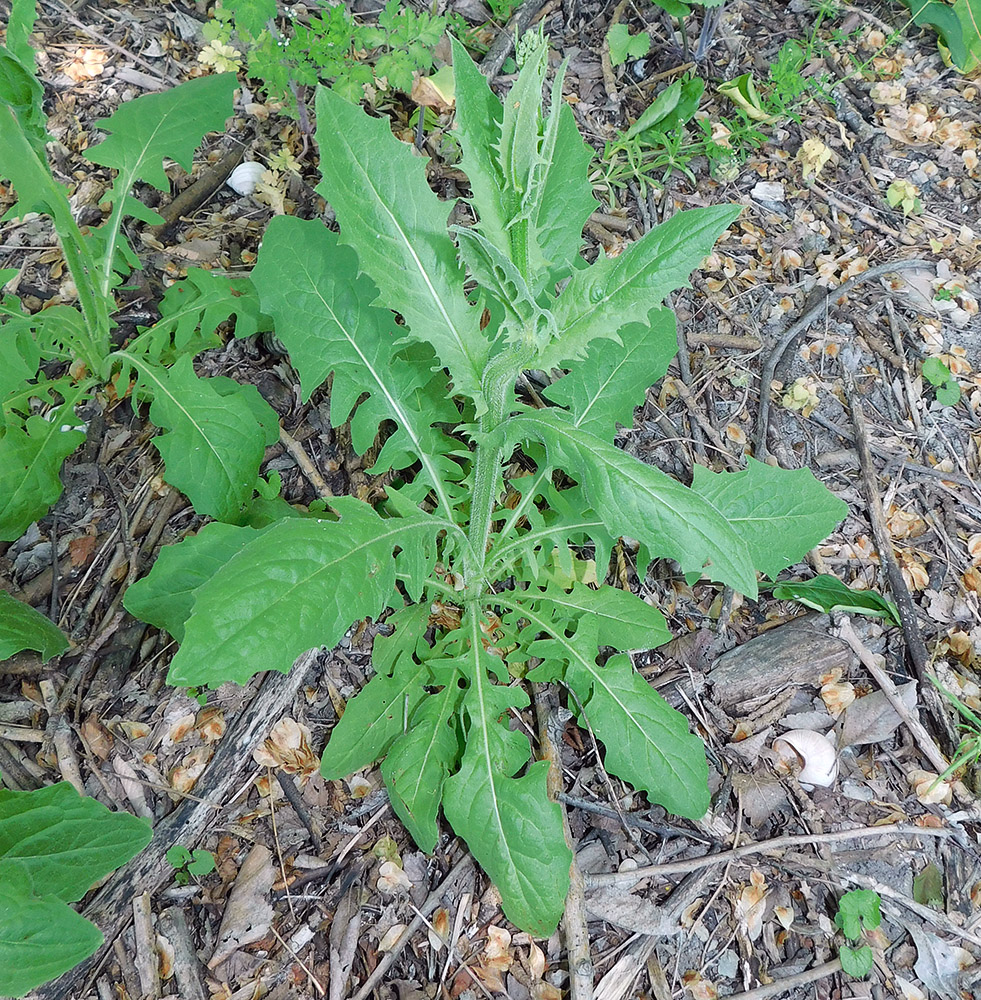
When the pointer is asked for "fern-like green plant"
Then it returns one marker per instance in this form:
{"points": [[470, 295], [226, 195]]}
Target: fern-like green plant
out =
{"points": [[217, 429], [425, 332]]}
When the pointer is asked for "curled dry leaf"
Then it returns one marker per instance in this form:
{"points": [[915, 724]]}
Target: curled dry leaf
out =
{"points": [[496, 958], [134, 730], [210, 724], [536, 961], [166, 954], [750, 905], [391, 936], [180, 728], [836, 694], [812, 156], [439, 933], [392, 879], [360, 787], [185, 776], [698, 987], [928, 787], [436, 91], [98, 738]]}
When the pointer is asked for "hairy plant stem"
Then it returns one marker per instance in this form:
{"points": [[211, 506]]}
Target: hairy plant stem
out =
{"points": [[498, 387]]}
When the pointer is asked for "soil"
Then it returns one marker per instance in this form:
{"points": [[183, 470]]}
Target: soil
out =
{"points": [[305, 899]]}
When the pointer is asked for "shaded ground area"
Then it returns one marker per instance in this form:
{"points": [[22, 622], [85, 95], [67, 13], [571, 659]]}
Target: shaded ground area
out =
{"points": [[800, 339]]}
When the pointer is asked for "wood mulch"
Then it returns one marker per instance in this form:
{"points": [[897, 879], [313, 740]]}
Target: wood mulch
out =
{"points": [[801, 338]]}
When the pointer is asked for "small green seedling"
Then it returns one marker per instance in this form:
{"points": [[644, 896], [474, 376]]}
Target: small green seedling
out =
{"points": [[623, 45], [858, 911], [827, 593], [904, 194], [940, 377], [199, 694], [187, 863]]}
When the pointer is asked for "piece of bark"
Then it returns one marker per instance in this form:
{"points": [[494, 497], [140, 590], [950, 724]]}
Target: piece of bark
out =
{"points": [[110, 908], [147, 966], [795, 654], [187, 965]]}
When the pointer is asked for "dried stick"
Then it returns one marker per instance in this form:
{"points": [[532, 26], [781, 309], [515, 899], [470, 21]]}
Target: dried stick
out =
{"points": [[302, 459], [146, 947], [432, 901], [923, 739], [574, 918], [187, 965], [781, 986], [883, 543], [630, 878], [798, 328], [61, 737]]}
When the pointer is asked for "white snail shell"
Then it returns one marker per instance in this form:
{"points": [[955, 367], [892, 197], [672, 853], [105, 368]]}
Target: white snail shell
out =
{"points": [[813, 753], [243, 179]]}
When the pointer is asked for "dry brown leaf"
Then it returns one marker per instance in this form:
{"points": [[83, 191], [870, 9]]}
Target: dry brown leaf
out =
{"points": [[699, 987], [248, 913], [928, 787], [872, 719], [134, 730], [210, 724], [749, 906], [97, 737], [837, 695], [391, 936], [392, 879], [165, 953], [439, 933], [180, 728], [431, 92], [81, 549]]}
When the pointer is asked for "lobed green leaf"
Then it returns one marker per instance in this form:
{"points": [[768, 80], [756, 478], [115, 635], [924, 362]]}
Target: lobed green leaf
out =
{"points": [[322, 307], [603, 389], [397, 227], [779, 514], [509, 824], [647, 742], [30, 459], [165, 596], [624, 289], [631, 498], [418, 762], [298, 584], [217, 432]]}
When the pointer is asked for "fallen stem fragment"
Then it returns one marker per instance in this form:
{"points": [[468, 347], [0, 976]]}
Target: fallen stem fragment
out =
{"points": [[628, 878]]}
